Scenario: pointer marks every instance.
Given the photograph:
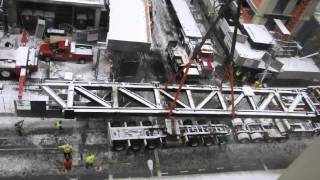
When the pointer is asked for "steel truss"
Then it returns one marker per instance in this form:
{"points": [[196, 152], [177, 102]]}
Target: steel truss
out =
{"points": [[152, 99]]}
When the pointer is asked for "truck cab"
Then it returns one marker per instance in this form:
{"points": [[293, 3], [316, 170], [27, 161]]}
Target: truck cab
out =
{"points": [[65, 51], [240, 131], [205, 56], [255, 130], [178, 59]]}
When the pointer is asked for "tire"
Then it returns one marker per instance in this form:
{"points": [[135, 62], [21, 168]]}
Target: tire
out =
{"points": [[243, 138], [244, 141], [207, 141], [151, 145], [5, 73], [47, 59], [193, 142], [136, 145], [119, 146], [269, 140], [282, 140], [82, 61], [256, 137]]}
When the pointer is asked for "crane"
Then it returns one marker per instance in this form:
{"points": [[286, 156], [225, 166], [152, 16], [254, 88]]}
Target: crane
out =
{"points": [[193, 54]]}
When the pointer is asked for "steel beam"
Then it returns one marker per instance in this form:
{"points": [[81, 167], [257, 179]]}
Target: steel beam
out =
{"points": [[172, 98], [295, 103], [54, 96], [92, 96], [272, 95], [70, 96], [206, 100], [137, 97]]}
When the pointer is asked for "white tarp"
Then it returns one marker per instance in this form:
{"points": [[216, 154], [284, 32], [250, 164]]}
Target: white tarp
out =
{"points": [[128, 21], [258, 33]]}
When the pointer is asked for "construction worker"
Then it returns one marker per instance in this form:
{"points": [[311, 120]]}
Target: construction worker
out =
{"points": [[238, 73], [257, 84], [67, 150], [67, 163], [243, 79], [19, 127], [89, 160], [58, 125]]}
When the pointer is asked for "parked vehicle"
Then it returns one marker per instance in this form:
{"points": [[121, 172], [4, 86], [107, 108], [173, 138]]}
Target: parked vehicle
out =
{"points": [[178, 59], [190, 35], [65, 51]]}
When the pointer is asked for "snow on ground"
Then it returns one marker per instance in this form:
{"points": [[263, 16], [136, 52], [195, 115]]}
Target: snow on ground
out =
{"points": [[80, 71], [254, 175]]}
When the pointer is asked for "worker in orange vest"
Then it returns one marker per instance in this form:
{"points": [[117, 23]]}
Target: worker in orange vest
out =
{"points": [[67, 163]]}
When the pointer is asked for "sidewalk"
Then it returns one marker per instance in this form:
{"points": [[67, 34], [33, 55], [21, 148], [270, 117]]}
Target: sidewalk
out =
{"points": [[241, 175]]}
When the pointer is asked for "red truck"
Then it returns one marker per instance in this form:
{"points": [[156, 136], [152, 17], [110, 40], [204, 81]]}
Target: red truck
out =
{"points": [[65, 51]]}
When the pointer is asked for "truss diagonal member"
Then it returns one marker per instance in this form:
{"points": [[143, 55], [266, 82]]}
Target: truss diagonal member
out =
{"points": [[157, 98], [172, 98], [206, 100], [54, 96], [191, 102], [252, 103], [137, 97], [283, 107], [70, 98], [221, 99], [308, 101], [84, 92], [236, 102], [266, 102], [295, 103]]}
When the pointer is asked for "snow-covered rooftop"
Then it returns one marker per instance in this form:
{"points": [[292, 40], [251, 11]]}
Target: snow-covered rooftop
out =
{"points": [[186, 19], [20, 55], [244, 50], [129, 21], [298, 64], [299, 68], [258, 33], [94, 3]]}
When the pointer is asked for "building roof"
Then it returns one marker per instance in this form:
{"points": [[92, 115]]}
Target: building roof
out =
{"points": [[282, 27], [244, 50], [297, 64], [186, 19], [129, 21], [258, 33], [86, 3], [19, 55]]}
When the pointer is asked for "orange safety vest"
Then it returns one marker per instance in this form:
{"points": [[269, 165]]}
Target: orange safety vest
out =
{"points": [[67, 163]]}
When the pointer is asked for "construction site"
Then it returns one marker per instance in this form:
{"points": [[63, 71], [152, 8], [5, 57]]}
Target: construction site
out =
{"points": [[159, 89]]}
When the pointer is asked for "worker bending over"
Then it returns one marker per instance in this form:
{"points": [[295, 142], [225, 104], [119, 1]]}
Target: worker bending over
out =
{"points": [[19, 127], [58, 125], [89, 160]]}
